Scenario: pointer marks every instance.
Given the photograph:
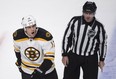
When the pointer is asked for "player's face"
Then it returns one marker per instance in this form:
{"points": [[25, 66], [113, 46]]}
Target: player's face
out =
{"points": [[31, 30], [88, 16]]}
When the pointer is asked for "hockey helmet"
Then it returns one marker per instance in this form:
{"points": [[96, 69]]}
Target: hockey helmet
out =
{"points": [[89, 7], [28, 21]]}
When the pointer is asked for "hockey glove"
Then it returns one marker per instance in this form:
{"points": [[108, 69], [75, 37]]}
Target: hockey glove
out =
{"points": [[18, 63], [46, 65], [37, 74]]}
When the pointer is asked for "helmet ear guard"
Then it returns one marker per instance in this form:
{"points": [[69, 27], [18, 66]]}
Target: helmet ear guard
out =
{"points": [[28, 21], [89, 7]]}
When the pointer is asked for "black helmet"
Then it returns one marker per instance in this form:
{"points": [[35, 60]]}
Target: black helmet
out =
{"points": [[89, 6]]}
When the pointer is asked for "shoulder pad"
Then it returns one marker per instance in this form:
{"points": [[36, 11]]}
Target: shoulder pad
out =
{"points": [[44, 34], [19, 34]]}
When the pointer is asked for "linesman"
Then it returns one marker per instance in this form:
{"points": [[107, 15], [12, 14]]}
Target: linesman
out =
{"points": [[84, 45]]}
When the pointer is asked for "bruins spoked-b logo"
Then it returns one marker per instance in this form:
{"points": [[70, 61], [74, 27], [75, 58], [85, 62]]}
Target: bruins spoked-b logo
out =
{"points": [[32, 53], [91, 33]]}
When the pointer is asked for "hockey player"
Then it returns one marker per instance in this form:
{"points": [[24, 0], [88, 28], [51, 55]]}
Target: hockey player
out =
{"points": [[35, 49], [85, 38]]}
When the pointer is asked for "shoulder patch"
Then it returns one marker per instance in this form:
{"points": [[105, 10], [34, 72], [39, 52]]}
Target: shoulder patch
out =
{"points": [[15, 34], [48, 34], [44, 34]]}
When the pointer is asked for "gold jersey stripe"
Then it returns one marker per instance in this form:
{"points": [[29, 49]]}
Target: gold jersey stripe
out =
{"points": [[30, 64], [49, 58], [28, 67], [23, 39], [49, 53], [16, 49], [41, 39]]}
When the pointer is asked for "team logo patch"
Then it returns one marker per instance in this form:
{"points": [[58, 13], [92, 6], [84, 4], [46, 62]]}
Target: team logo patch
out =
{"points": [[32, 53], [91, 33], [15, 34], [48, 34]]}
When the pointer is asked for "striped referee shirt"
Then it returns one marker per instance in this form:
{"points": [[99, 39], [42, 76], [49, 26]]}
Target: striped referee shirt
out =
{"points": [[84, 38]]}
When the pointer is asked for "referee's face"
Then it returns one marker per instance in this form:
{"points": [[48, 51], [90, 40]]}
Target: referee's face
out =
{"points": [[88, 16]]}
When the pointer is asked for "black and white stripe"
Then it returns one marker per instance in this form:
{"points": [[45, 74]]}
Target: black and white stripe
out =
{"points": [[84, 39]]}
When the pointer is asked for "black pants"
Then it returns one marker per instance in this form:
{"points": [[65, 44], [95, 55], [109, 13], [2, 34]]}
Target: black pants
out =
{"points": [[52, 75], [88, 64]]}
